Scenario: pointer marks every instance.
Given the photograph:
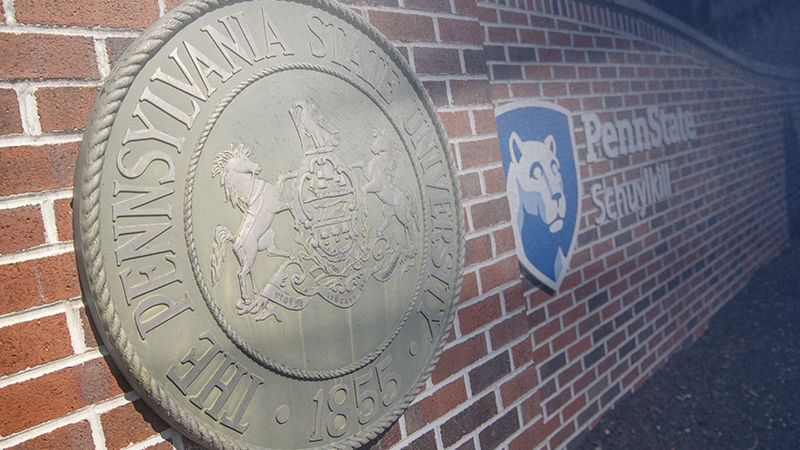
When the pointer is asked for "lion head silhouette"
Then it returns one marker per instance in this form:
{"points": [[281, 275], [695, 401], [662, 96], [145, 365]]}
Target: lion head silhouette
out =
{"points": [[534, 182]]}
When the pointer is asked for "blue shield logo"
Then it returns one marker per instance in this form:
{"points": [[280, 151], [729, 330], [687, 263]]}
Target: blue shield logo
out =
{"points": [[544, 191]]}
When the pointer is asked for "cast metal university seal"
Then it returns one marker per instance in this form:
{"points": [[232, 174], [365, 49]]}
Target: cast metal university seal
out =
{"points": [[268, 224]]}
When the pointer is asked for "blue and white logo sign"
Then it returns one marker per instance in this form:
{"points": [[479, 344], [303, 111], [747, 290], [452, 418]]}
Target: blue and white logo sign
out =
{"points": [[544, 190]]}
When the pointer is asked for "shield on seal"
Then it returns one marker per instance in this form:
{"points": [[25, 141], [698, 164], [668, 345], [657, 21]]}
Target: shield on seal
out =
{"points": [[544, 191], [327, 204]]}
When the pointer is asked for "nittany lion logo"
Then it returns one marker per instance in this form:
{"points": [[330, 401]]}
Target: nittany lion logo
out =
{"points": [[534, 176], [543, 187]]}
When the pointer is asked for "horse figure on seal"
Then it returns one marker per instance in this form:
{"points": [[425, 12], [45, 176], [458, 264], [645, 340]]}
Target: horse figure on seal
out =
{"points": [[380, 174], [258, 200]]}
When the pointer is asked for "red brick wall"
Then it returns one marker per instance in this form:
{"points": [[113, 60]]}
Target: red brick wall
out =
{"points": [[523, 368]]}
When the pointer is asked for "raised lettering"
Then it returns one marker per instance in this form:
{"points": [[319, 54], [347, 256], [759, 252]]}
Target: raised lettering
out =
{"points": [[138, 246], [171, 110], [168, 311], [229, 44], [150, 132], [592, 128], [610, 140], [182, 382], [317, 28], [152, 282], [652, 120], [272, 38], [597, 188], [206, 66], [130, 207], [641, 135], [191, 87], [143, 163]]}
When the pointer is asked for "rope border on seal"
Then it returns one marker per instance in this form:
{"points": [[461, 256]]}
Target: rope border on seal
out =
{"points": [[87, 193]]}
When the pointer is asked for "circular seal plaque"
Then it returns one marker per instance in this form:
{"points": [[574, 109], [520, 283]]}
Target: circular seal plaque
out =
{"points": [[269, 231]]}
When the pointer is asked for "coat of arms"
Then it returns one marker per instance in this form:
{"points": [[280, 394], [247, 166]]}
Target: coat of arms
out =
{"points": [[333, 251]]}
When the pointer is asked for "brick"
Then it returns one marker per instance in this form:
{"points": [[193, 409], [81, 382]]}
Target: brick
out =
{"points": [[170, 4], [65, 108], [508, 330], [130, 423], [554, 89], [458, 357], [467, 445], [426, 441], [550, 367], [530, 408], [547, 330], [475, 61], [609, 395], [490, 213], [32, 343], [91, 336], [74, 435], [506, 72], [475, 316], [556, 402], [538, 72], [513, 17], [550, 55], [569, 374], [436, 61], [518, 386], [437, 91], [470, 92], [565, 339], [514, 297], [460, 31], [587, 414], [37, 282], [559, 39], [44, 168], [36, 56], [55, 394], [478, 153], [522, 54], [468, 420], [499, 273], [388, 439], [470, 186], [500, 430], [561, 436], [502, 34], [429, 5], [163, 445], [528, 36], [87, 13], [484, 121], [115, 47], [500, 91], [456, 123], [469, 286], [63, 213], [594, 356], [10, 121], [487, 374], [403, 27], [535, 434], [436, 405], [20, 229]]}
